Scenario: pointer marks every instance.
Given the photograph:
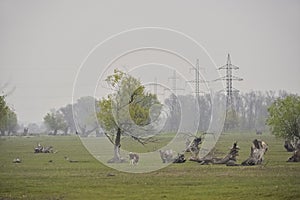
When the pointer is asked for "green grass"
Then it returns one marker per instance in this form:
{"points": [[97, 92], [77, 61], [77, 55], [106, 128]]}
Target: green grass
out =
{"points": [[37, 178]]}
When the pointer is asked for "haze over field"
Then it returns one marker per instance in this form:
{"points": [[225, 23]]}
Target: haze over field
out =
{"points": [[44, 43]]}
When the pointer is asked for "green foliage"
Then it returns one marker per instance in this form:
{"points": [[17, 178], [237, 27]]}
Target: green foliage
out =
{"points": [[8, 118], [284, 117], [129, 108], [3, 112], [55, 121], [12, 122]]}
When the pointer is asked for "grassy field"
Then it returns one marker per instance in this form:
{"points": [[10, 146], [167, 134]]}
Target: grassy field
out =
{"points": [[37, 178]]}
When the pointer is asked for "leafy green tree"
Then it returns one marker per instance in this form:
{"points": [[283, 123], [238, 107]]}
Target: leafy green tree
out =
{"points": [[129, 111], [12, 122], [3, 113], [8, 118], [55, 121], [284, 118]]}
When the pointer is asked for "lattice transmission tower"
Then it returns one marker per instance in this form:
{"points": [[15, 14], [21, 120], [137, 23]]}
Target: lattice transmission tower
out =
{"points": [[229, 78], [197, 79]]}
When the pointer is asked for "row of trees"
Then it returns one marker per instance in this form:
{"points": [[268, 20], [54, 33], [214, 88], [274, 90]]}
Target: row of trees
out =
{"points": [[8, 118], [249, 111], [79, 117]]}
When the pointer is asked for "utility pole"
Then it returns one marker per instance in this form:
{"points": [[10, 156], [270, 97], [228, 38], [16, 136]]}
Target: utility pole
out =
{"points": [[229, 78]]}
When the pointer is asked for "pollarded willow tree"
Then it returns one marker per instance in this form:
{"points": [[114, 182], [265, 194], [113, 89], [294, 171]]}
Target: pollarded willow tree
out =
{"points": [[284, 118], [130, 111]]}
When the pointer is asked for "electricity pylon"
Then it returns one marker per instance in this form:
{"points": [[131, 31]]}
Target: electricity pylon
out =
{"points": [[229, 78]]}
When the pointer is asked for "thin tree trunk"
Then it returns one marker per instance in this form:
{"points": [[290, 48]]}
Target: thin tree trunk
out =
{"points": [[117, 145], [117, 157]]}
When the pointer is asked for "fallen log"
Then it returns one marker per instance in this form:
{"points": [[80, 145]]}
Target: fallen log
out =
{"points": [[229, 159]]}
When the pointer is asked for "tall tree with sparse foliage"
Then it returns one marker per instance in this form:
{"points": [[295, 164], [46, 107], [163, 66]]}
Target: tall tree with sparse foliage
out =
{"points": [[284, 118], [124, 112]]}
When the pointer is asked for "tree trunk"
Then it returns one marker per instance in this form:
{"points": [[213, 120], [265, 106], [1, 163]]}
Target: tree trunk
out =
{"points": [[257, 153], [117, 145], [117, 157]]}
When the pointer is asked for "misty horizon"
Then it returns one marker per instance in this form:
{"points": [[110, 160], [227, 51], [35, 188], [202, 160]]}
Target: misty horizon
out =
{"points": [[43, 45]]}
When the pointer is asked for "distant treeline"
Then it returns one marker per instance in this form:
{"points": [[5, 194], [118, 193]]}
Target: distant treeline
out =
{"points": [[184, 113], [249, 111]]}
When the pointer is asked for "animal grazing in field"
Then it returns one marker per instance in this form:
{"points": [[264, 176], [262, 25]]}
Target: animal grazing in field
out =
{"points": [[133, 158], [166, 155]]}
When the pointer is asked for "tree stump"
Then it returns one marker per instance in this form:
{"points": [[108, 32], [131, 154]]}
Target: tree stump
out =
{"points": [[258, 150], [295, 157]]}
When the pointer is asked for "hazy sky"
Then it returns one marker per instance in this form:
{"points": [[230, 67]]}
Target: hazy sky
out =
{"points": [[43, 43]]}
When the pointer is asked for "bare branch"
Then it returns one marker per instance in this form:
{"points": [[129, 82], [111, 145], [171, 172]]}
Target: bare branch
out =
{"points": [[109, 138]]}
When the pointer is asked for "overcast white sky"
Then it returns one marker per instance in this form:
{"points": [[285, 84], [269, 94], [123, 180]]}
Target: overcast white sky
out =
{"points": [[42, 43]]}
